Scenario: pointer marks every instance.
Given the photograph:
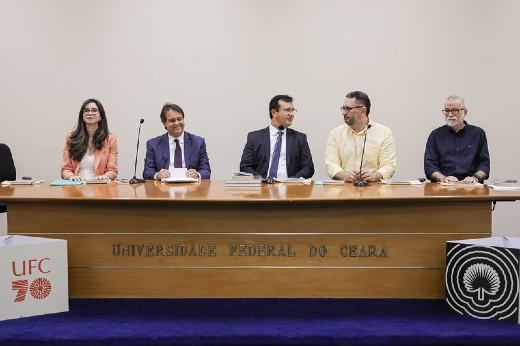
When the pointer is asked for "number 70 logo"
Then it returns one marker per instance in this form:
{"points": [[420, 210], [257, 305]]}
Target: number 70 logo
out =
{"points": [[40, 288]]}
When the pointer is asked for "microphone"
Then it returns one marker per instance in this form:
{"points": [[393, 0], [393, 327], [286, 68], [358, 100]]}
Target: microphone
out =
{"points": [[134, 180], [360, 182], [270, 180]]}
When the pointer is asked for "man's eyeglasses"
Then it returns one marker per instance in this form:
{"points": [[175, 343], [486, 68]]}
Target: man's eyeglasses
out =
{"points": [[93, 111], [348, 109], [452, 111], [289, 110]]}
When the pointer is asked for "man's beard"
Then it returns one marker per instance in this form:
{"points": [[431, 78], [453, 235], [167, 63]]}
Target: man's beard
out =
{"points": [[454, 122]]}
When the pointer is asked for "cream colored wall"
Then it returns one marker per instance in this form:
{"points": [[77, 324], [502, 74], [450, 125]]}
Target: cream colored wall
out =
{"points": [[222, 61]]}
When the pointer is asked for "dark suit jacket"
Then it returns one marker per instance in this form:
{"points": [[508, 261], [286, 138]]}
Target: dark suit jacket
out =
{"points": [[7, 168], [255, 157], [158, 155]]}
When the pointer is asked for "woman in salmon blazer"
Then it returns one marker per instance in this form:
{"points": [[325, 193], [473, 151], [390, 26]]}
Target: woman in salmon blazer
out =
{"points": [[90, 150]]}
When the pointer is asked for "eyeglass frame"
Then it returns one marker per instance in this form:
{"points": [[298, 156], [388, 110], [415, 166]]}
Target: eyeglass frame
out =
{"points": [[349, 109], [89, 111], [448, 111], [289, 110]]}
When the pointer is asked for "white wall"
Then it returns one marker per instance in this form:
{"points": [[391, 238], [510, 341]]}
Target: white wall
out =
{"points": [[3, 224], [222, 61]]}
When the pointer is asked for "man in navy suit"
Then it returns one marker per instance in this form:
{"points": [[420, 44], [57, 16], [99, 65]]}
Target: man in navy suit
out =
{"points": [[175, 149], [294, 159]]}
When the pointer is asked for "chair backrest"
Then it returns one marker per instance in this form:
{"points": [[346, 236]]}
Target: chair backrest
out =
{"points": [[7, 168]]}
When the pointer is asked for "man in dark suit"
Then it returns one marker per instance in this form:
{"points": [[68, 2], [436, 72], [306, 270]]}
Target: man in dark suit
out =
{"points": [[292, 156], [175, 149]]}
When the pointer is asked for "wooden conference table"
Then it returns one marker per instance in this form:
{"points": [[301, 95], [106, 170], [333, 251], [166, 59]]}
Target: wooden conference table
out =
{"points": [[283, 240]]}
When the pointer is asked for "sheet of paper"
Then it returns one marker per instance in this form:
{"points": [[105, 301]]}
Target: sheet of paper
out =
{"points": [[178, 173], [461, 184], [179, 180], [97, 181], [504, 188]]}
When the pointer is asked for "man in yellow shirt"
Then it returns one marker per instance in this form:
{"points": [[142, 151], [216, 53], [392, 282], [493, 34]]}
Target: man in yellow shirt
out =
{"points": [[345, 144]]}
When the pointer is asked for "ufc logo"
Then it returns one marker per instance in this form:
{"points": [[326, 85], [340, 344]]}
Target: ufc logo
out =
{"points": [[39, 288], [32, 264]]}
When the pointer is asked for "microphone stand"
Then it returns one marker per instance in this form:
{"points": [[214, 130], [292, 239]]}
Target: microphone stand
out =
{"points": [[134, 180], [360, 182]]}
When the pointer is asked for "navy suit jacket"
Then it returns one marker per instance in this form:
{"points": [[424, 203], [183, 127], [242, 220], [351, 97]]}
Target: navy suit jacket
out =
{"points": [[257, 151], [158, 155]]}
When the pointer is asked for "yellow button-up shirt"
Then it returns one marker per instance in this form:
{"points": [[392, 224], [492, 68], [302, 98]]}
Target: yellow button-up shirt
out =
{"points": [[345, 146]]}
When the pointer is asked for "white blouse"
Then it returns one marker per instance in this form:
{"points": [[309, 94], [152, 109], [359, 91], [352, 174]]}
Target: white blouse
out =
{"points": [[86, 168]]}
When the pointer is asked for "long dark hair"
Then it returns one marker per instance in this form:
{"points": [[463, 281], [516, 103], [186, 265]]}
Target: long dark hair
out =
{"points": [[78, 141]]}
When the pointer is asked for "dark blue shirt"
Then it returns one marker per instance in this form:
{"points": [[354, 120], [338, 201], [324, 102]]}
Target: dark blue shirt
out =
{"points": [[460, 154]]}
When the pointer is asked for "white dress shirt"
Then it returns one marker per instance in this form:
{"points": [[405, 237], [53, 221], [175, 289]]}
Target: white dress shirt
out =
{"points": [[282, 164], [172, 150]]}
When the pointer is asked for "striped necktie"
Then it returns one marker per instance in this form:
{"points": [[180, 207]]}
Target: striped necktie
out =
{"points": [[276, 156]]}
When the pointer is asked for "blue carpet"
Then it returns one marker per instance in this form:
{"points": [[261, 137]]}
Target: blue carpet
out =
{"points": [[256, 322]]}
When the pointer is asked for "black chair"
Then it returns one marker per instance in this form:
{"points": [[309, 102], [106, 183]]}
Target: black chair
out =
{"points": [[7, 169]]}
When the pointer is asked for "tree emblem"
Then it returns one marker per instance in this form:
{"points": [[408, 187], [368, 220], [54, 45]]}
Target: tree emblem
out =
{"points": [[481, 278]]}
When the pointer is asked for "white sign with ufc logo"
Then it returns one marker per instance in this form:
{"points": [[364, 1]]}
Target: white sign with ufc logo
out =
{"points": [[33, 276]]}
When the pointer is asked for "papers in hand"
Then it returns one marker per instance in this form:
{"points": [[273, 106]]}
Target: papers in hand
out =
{"points": [[179, 180], [178, 175], [462, 184]]}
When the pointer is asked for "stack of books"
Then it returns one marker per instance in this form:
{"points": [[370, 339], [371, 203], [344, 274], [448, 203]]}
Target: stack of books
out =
{"points": [[506, 182], [243, 179], [292, 180]]}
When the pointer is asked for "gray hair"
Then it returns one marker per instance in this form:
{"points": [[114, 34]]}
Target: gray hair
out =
{"points": [[457, 98]]}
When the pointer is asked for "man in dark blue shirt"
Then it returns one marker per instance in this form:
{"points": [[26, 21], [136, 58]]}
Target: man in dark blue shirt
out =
{"points": [[456, 151]]}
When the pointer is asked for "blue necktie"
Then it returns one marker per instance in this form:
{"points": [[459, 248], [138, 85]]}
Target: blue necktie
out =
{"points": [[276, 155]]}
